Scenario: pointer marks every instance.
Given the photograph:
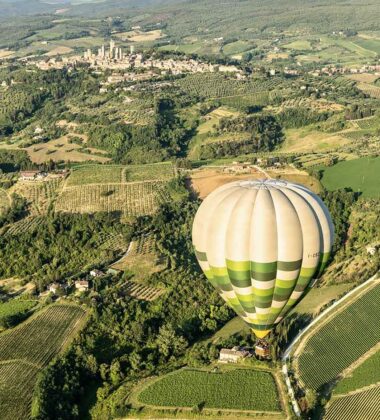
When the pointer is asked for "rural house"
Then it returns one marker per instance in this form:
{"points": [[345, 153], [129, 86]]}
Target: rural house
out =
{"points": [[82, 285], [29, 175], [96, 273], [233, 355], [371, 250], [56, 287]]}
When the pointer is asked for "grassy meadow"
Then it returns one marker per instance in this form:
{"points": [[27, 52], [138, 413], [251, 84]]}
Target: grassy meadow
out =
{"points": [[362, 175]]}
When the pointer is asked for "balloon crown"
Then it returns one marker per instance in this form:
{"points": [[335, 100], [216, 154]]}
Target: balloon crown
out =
{"points": [[263, 184]]}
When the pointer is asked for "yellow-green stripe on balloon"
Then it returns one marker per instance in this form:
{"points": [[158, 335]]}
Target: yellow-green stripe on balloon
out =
{"points": [[260, 244]]}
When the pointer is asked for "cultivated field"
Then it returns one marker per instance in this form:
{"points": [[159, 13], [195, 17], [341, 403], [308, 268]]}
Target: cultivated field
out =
{"points": [[142, 259], [26, 349], [133, 190], [13, 309], [214, 85], [364, 77], [139, 36], [112, 174], [205, 181], [141, 292], [59, 51], [308, 140], [341, 341], [62, 149], [150, 172], [232, 389], [27, 224], [5, 53], [95, 174], [133, 199], [371, 90], [361, 175], [39, 194], [365, 374], [362, 405]]}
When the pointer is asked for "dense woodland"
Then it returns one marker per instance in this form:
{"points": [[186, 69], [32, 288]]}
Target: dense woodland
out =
{"points": [[127, 339], [63, 246]]}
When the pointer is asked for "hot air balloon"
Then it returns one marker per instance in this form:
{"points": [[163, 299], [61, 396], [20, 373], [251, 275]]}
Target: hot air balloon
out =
{"points": [[261, 244]]}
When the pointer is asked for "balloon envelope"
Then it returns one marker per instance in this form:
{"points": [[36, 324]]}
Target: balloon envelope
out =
{"points": [[260, 244]]}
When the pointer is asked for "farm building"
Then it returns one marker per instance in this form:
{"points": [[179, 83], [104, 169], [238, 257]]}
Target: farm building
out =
{"points": [[371, 250], [29, 175], [242, 168], [56, 287], [82, 285], [96, 273], [233, 355]]}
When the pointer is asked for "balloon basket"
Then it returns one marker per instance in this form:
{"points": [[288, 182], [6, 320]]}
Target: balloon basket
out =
{"points": [[262, 349]]}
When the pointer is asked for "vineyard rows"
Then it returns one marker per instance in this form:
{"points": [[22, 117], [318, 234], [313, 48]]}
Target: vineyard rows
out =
{"points": [[26, 349], [132, 199], [141, 292], [39, 339], [371, 90], [17, 380], [364, 405], [367, 373], [25, 225], [114, 174], [303, 102], [150, 172], [367, 123], [340, 342], [239, 389], [218, 86], [112, 241], [143, 245], [95, 174], [38, 194]]}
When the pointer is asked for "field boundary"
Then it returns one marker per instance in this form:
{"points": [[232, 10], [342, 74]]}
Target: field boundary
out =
{"points": [[356, 391], [360, 361]]}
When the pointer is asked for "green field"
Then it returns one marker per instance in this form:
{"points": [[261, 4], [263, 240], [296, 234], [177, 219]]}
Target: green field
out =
{"points": [[299, 45], [237, 47], [28, 348], [14, 309], [116, 174], [95, 174], [340, 342], [238, 389], [370, 44], [320, 296], [361, 175], [367, 373]]}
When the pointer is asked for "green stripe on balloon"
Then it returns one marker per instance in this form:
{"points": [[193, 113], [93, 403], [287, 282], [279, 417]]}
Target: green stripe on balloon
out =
{"points": [[289, 265], [201, 256]]}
